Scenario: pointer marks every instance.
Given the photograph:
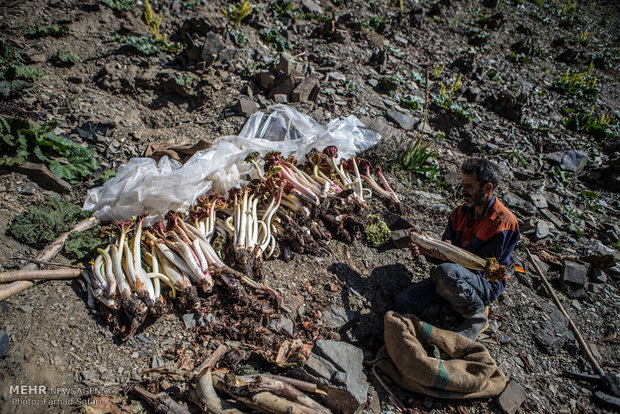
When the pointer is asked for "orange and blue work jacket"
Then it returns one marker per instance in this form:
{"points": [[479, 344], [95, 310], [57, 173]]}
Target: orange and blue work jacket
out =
{"points": [[494, 234]]}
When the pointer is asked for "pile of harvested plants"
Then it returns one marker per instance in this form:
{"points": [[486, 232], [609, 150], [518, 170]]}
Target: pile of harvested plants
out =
{"points": [[223, 241]]}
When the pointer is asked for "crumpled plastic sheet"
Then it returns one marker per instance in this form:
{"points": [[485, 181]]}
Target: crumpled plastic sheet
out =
{"points": [[143, 186]]}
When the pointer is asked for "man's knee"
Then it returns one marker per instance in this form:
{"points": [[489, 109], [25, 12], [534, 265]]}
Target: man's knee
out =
{"points": [[446, 275]]}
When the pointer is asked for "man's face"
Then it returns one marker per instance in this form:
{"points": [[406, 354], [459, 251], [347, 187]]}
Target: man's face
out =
{"points": [[473, 193]]}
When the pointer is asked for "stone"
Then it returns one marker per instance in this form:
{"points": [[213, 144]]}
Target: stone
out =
{"points": [[387, 131], [311, 7], [514, 202], [511, 398], [337, 316], [401, 238], [574, 161], [87, 375], [542, 229], [574, 279], [554, 201], [281, 325], [189, 320], [282, 85], [266, 78], [307, 90], [4, 343], [555, 220], [290, 303], [280, 98], [212, 46], [552, 333], [555, 157], [285, 65], [339, 362], [403, 120], [40, 174], [597, 275], [337, 76], [472, 93], [245, 107], [539, 200]]}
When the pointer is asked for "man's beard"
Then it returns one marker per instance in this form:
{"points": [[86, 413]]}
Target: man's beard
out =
{"points": [[477, 199]]}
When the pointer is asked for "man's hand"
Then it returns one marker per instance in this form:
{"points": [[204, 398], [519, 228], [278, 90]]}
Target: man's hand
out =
{"points": [[417, 250]]}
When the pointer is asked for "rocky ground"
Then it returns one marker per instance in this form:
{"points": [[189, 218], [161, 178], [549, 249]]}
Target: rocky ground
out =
{"points": [[531, 84]]}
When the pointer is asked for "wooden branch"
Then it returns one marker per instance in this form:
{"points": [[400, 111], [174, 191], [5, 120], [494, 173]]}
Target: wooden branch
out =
{"points": [[208, 398], [259, 383], [46, 254], [39, 274], [393, 396], [260, 394], [45, 262], [162, 402], [211, 360], [299, 384], [585, 348]]}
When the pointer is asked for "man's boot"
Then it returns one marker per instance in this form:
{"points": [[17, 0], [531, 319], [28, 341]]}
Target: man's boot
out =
{"points": [[475, 324]]}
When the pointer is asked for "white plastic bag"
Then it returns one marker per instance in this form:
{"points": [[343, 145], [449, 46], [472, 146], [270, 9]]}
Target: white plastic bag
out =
{"points": [[143, 186]]}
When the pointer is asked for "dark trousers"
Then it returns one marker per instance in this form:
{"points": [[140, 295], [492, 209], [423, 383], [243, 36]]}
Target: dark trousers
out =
{"points": [[449, 285]]}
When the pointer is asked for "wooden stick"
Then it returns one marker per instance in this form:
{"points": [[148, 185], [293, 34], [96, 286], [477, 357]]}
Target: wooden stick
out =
{"points": [[210, 361], [39, 274], [46, 254], [585, 348], [162, 402], [299, 384], [45, 262], [397, 402]]}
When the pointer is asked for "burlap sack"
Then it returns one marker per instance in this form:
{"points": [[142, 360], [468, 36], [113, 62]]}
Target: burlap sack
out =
{"points": [[468, 370]]}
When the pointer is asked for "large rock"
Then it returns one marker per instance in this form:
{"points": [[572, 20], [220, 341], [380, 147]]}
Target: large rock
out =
{"points": [[574, 161], [574, 279], [245, 107], [511, 398], [307, 90], [552, 333], [212, 47], [40, 174], [339, 363], [403, 120]]}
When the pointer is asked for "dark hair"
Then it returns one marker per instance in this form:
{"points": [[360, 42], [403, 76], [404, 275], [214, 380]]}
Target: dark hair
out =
{"points": [[486, 171]]}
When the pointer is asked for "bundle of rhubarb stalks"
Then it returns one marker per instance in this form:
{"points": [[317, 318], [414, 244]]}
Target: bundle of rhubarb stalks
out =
{"points": [[289, 206]]}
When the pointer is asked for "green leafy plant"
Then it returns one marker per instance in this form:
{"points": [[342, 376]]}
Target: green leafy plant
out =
{"points": [[516, 158], [82, 244], [412, 102], [64, 58], [275, 38], [376, 231], [153, 21], [146, 45], [284, 9], [16, 78], [416, 158], [389, 83], [119, 5], [239, 38], [235, 13], [42, 223], [437, 70], [186, 80], [600, 128], [55, 30], [22, 140], [372, 23], [582, 84], [7, 52]]}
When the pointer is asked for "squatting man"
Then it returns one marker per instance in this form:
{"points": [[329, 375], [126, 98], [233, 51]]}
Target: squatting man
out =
{"points": [[481, 225]]}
